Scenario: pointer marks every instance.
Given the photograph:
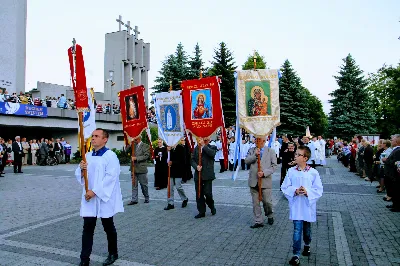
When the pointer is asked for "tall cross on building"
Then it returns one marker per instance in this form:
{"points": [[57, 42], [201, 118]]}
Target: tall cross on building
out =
{"points": [[128, 27], [136, 30], [119, 20]]}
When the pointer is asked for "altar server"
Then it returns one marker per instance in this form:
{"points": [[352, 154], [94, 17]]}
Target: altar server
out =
{"points": [[103, 198]]}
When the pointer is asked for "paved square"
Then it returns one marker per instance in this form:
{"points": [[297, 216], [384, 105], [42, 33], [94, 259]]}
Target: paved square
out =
{"points": [[40, 224]]}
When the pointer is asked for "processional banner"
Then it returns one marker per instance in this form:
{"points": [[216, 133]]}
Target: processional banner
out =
{"points": [[202, 106], [169, 111], [78, 78], [133, 111], [258, 100]]}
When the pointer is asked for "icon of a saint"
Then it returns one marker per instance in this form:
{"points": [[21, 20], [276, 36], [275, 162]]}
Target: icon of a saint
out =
{"points": [[257, 105], [132, 108], [169, 119], [201, 110]]}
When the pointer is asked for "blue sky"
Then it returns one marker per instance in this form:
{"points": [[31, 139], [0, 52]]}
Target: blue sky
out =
{"points": [[314, 35]]}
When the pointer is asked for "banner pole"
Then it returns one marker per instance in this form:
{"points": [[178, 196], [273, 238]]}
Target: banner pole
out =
{"points": [[169, 155], [82, 148], [132, 164], [259, 170]]}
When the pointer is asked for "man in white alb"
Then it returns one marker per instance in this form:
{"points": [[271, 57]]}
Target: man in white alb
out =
{"points": [[103, 198]]}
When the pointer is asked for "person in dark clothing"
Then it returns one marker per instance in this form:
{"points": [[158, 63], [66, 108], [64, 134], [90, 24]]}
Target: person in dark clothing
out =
{"points": [[4, 153], [353, 157], [392, 172], [18, 155], [177, 170], [161, 168], [368, 160], [287, 156], [188, 157], [376, 160]]}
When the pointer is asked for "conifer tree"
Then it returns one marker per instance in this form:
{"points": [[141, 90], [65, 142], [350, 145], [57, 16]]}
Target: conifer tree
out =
{"points": [[260, 62], [224, 65], [196, 63], [351, 111]]}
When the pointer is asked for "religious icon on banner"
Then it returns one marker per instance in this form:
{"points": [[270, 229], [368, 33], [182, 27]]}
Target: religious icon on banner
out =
{"points": [[131, 105], [201, 104], [258, 95], [170, 118]]}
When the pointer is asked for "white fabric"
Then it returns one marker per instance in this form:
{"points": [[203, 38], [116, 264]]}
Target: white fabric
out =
{"points": [[103, 179], [317, 151], [231, 155], [167, 131], [244, 148], [301, 207], [276, 146], [312, 149], [219, 155], [322, 144], [89, 118]]}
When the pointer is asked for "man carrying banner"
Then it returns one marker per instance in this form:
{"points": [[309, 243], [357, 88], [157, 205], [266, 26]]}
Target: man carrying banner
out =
{"points": [[268, 166], [176, 162], [206, 170], [142, 155]]}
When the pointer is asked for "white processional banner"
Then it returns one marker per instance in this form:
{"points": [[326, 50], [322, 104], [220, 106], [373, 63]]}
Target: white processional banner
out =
{"points": [[89, 117], [169, 111], [258, 100]]}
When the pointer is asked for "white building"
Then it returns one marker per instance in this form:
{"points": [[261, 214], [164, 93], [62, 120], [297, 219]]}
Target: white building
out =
{"points": [[13, 44]]}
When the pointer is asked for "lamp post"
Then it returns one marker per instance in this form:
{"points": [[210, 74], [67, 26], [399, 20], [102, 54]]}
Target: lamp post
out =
{"points": [[111, 75]]}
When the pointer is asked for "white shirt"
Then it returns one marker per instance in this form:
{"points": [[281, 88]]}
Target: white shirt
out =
{"points": [[103, 180], [244, 149], [219, 154], [301, 207]]}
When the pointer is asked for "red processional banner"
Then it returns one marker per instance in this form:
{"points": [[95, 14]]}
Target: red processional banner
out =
{"points": [[202, 108], [78, 77], [133, 111]]}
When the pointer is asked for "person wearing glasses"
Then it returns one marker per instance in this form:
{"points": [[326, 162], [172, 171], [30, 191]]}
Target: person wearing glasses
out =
{"points": [[302, 187]]}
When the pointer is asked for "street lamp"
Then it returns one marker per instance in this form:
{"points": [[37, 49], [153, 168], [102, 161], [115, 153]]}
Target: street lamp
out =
{"points": [[111, 75]]}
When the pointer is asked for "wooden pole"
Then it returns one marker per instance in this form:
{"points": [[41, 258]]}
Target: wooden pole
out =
{"points": [[169, 176], [199, 185], [82, 148], [132, 164], [259, 170]]}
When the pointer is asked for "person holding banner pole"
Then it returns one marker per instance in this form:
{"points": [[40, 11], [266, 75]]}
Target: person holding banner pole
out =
{"points": [[267, 168], [176, 162], [141, 155], [204, 175]]}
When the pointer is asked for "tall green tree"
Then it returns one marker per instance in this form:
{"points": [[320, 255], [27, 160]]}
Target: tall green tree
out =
{"points": [[196, 63], [351, 111], [384, 88], [293, 99], [174, 68], [318, 119], [260, 62], [224, 65]]}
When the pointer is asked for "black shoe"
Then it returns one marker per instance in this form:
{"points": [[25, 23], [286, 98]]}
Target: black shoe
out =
{"points": [[132, 203], [270, 221], [395, 210], [385, 199], [20, 172], [213, 211], [294, 261], [84, 263], [306, 251], [200, 215], [169, 207], [146, 201], [110, 259], [380, 191], [256, 226], [184, 203], [378, 186], [1, 175], [389, 206]]}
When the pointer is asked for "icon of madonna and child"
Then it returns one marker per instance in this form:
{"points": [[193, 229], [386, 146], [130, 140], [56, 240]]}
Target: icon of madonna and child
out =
{"points": [[258, 103], [201, 104]]}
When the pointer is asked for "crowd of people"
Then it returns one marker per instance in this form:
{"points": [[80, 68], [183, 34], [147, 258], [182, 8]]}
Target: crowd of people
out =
{"points": [[33, 152], [382, 165]]}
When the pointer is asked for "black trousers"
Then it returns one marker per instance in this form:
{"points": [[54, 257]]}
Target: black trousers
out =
{"points": [[17, 164], [284, 170], [222, 164], [244, 166], [231, 166], [67, 158], [89, 224], [206, 196], [396, 194], [389, 185]]}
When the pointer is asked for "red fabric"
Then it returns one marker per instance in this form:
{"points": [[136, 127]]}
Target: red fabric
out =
{"points": [[78, 78], [202, 127], [133, 125], [224, 140]]}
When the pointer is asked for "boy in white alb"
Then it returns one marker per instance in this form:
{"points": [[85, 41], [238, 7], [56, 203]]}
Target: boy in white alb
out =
{"points": [[302, 187]]}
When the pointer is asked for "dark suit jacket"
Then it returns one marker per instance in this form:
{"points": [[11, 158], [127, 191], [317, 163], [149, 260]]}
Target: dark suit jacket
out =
{"points": [[368, 155], [207, 162], [390, 167], [177, 157], [58, 147], [142, 154], [17, 149], [43, 148]]}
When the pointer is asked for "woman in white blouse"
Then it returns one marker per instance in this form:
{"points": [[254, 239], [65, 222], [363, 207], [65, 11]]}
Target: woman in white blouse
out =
{"points": [[34, 148]]}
